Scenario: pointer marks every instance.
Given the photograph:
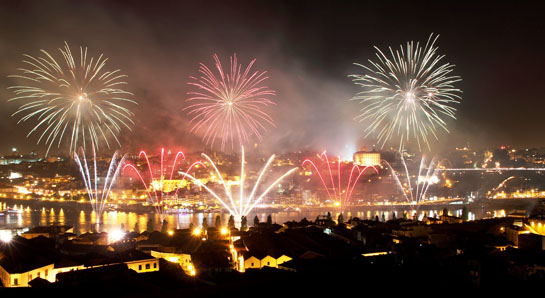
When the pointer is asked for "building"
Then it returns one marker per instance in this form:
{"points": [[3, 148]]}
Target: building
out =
{"points": [[364, 158], [271, 259], [184, 260]]}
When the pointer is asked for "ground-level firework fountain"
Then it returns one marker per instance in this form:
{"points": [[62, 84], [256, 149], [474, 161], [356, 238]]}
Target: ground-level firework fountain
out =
{"points": [[245, 204], [415, 191], [340, 196], [98, 191], [156, 185]]}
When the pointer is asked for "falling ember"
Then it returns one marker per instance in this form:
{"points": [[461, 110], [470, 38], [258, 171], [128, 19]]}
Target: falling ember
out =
{"points": [[415, 191], [408, 94], [98, 194], [229, 105], [340, 196], [246, 204], [76, 100]]}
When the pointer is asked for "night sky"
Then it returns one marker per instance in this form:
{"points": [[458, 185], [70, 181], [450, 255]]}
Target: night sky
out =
{"points": [[308, 49]]}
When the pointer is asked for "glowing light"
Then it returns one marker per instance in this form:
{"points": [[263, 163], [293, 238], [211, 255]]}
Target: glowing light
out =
{"points": [[98, 194], [246, 204], [170, 233], [426, 177], [115, 235], [55, 95], [338, 191], [230, 105], [5, 236], [197, 231], [224, 231], [407, 94], [156, 194]]}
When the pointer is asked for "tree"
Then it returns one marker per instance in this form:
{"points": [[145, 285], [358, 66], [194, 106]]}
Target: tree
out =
{"points": [[269, 220], [137, 228], [376, 217], [231, 223], [465, 214], [191, 226], [150, 227], [340, 219], [205, 223], [394, 215], [405, 215], [256, 221], [329, 216], [218, 221], [445, 211], [243, 223], [164, 227], [383, 217]]}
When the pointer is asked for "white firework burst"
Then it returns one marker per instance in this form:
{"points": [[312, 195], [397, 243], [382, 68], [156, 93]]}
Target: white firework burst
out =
{"points": [[407, 95], [76, 100]]}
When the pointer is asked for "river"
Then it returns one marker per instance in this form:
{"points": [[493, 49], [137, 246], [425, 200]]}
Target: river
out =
{"points": [[83, 218]]}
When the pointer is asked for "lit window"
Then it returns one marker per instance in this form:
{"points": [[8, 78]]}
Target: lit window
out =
{"points": [[39, 274], [46, 272], [16, 281], [30, 277], [147, 266]]}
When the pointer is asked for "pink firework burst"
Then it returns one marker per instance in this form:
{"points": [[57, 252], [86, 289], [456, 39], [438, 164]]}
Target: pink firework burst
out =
{"points": [[229, 105], [334, 185]]}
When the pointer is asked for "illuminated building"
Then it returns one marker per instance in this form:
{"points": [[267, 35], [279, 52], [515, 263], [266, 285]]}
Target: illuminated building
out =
{"points": [[364, 158]]}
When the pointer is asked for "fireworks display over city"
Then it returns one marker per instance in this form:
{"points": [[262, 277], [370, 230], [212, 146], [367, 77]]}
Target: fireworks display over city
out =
{"points": [[142, 76]]}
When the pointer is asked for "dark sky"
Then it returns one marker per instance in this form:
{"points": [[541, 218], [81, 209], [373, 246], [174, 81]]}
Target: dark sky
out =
{"points": [[308, 49]]}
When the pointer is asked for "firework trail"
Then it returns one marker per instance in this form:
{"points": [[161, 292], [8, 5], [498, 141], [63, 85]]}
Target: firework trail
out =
{"points": [[229, 105], [155, 184], [338, 194], [245, 204], [77, 100], [426, 177], [408, 94], [98, 195]]}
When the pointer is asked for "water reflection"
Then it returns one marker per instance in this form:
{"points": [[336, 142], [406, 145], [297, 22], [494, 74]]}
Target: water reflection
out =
{"points": [[84, 221]]}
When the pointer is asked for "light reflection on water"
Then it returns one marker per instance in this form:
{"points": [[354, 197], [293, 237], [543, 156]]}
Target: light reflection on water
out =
{"points": [[84, 221]]}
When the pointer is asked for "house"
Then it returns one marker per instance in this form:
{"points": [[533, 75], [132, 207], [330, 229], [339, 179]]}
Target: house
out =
{"points": [[92, 239], [270, 259], [182, 259], [413, 231], [47, 231]]}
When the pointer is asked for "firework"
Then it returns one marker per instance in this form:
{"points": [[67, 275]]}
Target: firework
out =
{"points": [[415, 191], [98, 195], [337, 194], [156, 185], [76, 100], [408, 95], [245, 204], [229, 105]]}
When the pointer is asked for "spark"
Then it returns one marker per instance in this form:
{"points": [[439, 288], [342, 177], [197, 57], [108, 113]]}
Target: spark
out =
{"points": [[80, 101], [245, 204], [426, 176], [155, 185], [229, 105], [408, 94], [98, 195], [339, 196]]}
